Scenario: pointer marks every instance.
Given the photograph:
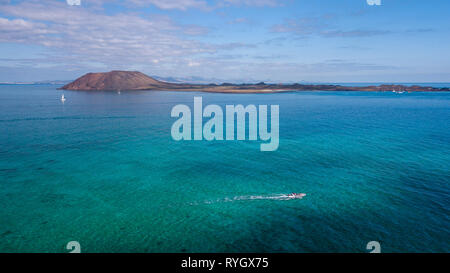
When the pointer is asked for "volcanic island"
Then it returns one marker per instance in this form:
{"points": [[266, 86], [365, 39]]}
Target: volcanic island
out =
{"points": [[135, 80]]}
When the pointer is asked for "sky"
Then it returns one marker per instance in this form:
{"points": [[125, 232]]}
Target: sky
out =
{"points": [[228, 40]]}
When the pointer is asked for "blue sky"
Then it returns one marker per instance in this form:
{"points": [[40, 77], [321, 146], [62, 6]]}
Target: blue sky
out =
{"points": [[228, 40]]}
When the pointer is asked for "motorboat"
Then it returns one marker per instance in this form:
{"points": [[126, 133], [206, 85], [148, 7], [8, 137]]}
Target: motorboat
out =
{"points": [[296, 195]]}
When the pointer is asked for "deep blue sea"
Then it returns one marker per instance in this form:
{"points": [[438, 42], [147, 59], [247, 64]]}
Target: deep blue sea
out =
{"points": [[102, 169]]}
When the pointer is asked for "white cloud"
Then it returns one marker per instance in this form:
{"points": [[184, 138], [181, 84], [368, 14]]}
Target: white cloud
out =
{"points": [[202, 4], [97, 37], [322, 26], [252, 3], [192, 63], [172, 4], [240, 20], [73, 2], [84, 38]]}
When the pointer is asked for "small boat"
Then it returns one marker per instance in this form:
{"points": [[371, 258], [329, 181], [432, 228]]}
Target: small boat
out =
{"points": [[63, 99], [296, 195]]}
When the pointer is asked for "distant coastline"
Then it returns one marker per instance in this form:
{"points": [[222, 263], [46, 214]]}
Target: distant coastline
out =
{"points": [[134, 80], [56, 82]]}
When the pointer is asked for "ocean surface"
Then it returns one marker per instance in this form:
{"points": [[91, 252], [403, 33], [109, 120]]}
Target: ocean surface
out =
{"points": [[102, 169]]}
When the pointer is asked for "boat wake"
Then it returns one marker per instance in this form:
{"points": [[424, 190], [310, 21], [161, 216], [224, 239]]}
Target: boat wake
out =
{"points": [[275, 197]]}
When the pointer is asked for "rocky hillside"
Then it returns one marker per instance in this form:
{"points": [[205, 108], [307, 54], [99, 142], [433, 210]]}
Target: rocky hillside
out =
{"points": [[114, 80]]}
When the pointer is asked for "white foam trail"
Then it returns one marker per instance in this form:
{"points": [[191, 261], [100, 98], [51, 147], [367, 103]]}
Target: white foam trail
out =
{"points": [[264, 197], [280, 197]]}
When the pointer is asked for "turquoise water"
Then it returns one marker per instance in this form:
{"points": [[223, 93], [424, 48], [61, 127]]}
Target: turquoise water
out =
{"points": [[103, 170]]}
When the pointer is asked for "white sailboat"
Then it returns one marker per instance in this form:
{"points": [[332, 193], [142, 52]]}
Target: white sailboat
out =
{"points": [[63, 99]]}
